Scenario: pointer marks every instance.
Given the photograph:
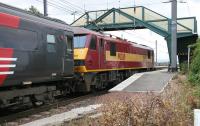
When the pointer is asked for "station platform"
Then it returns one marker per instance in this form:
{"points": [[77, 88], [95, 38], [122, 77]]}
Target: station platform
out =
{"points": [[154, 81]]}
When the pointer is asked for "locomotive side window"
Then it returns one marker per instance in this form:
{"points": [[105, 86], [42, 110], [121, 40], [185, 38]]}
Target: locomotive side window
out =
{"points": [[93, 42], [149, 54], [51, 43], [18, 39], [112, 49], [101, 43]]}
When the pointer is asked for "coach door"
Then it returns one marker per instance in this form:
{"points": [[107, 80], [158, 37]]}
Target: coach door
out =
{"points": [[52, 53], [68, 60], [101, 53]]}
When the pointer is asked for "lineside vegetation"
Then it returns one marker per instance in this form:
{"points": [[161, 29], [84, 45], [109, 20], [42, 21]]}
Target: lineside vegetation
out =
{"points": [[194, 73]]}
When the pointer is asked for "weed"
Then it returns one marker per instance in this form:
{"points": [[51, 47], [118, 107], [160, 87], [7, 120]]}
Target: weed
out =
{"points": [[173, 107]]}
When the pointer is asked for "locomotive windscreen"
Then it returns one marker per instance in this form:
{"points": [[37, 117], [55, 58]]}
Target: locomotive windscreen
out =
{"points": [[79, 41]]}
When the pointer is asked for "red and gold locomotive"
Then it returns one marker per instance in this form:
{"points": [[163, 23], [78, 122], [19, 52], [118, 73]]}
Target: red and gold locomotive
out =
{"points": [[102, 59]]}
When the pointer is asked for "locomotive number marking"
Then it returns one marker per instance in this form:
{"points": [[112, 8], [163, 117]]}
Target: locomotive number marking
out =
{"points": [[121, 56]]}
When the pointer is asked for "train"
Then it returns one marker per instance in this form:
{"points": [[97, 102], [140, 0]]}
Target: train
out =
{"points": [[41, 58], [102, 59]]}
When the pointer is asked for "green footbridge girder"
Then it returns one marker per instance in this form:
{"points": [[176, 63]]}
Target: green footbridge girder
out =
{"points": [[140, 18]]}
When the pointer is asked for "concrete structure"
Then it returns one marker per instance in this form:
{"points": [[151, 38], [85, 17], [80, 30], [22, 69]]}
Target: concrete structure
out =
{"points": [[154, 81], [197, 117]]}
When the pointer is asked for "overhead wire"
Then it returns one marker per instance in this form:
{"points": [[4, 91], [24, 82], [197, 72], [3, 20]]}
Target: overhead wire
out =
{"points": [[139, 36], [188, 8], [72, 9], [59, 6], [75, 10], [153, 47], [56, 6], [60, 2], [74, 5], [64, 7]]}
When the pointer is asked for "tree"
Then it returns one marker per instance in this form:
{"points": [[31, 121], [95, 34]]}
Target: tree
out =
{"points": [[34, 11]]}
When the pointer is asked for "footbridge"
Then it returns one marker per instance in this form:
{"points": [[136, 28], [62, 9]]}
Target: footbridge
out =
{"points": [[140, 18]]}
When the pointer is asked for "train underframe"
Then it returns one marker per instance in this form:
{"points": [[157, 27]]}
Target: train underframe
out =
{"points": [[94, 81], [37, 94]]}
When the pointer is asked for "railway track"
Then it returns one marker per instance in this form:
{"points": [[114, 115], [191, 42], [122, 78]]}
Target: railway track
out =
{"points": [[13, 116], [59, 103]]}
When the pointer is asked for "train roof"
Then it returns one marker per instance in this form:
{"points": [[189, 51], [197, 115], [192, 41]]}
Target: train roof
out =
{"points": [[141, 46], [80, 30], [47, 21]]}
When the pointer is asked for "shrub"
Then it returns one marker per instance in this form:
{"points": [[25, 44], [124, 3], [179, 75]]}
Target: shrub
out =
{"points": [[170, 108], [194, 74], [184, 68]]}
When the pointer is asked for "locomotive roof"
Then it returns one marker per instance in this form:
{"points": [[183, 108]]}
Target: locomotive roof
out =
{"points": [[50, 22], [80, 30]]}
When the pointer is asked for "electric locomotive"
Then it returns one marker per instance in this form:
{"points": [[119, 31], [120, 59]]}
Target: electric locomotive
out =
{"points": [[103, 60], [36, 57]]}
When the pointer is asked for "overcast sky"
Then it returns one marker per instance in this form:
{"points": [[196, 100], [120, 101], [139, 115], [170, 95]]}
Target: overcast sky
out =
{"points": [[63, 9]]}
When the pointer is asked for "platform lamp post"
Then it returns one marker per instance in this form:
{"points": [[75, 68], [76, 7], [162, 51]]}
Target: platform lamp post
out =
{"points": [[45, 8]]}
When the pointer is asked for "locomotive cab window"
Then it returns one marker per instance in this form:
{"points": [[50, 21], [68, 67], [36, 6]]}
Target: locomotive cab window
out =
{"points": [[79, 41], [93, 42], [112, 49], [51, 40]]}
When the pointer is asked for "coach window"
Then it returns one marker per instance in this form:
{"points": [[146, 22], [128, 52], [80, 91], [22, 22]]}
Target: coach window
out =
{"points": [[93, 42], [51, 43], [112, 49], [18, 39], [51, 38]]}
